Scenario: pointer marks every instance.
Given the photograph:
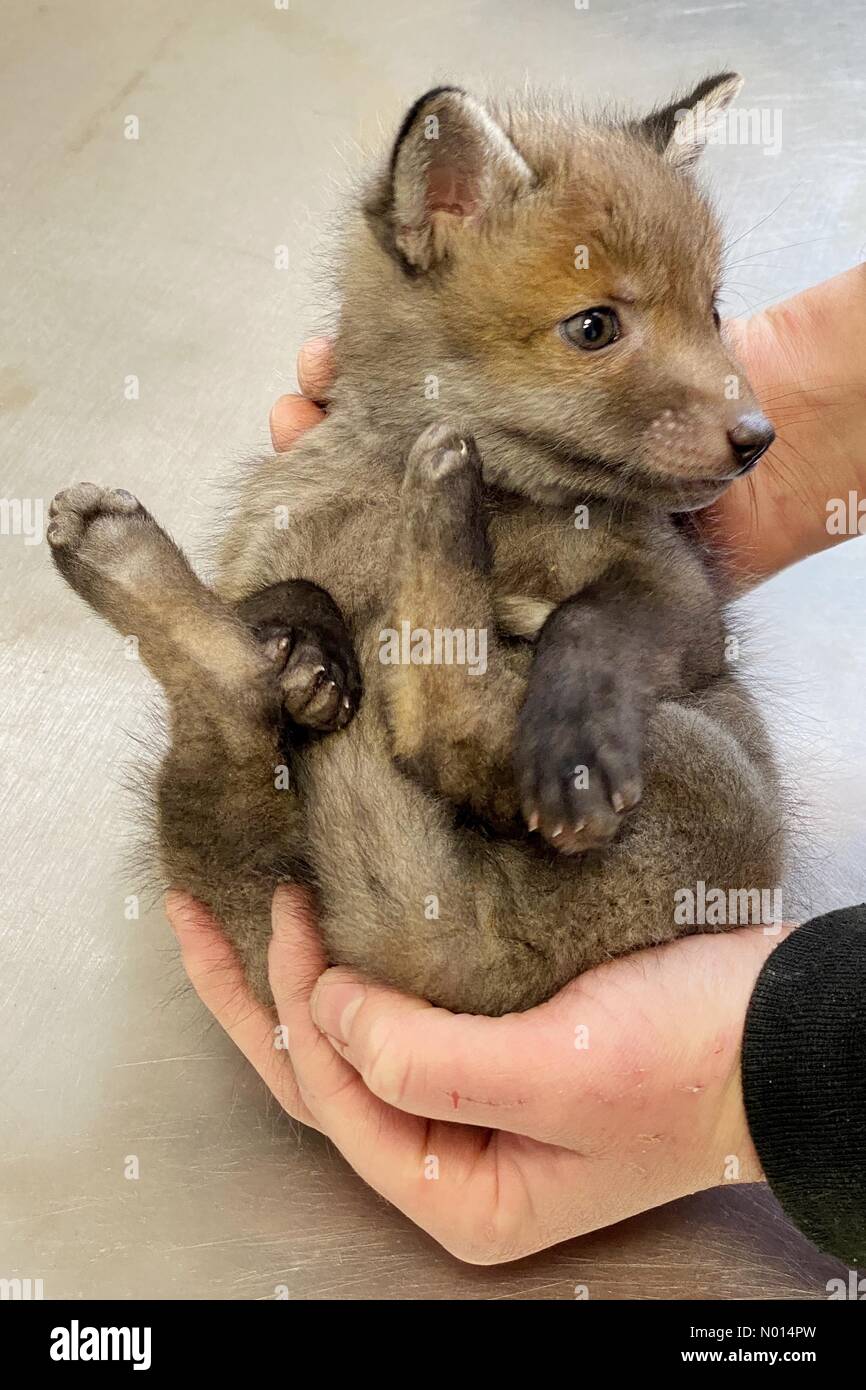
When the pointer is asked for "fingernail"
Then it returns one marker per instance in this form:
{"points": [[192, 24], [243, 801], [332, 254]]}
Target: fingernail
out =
{"points": [[314, 367], [334, 1007]]}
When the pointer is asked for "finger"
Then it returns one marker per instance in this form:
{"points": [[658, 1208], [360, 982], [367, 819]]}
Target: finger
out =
{"points": [[291, 416], [390, 1150], [497, 1072], [316, 368], [485, 1197], [216, 975], [561, 1072], [295, 962]]}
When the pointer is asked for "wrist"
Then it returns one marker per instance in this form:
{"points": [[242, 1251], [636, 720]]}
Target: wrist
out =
{"points": [[730, 1149]]}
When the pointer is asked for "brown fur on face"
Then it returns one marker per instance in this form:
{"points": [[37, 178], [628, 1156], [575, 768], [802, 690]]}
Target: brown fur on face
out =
{"points": [[600, 217], [440, 492]]}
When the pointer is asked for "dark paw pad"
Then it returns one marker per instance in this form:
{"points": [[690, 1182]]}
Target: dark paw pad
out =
{"points": [[319, 682]]}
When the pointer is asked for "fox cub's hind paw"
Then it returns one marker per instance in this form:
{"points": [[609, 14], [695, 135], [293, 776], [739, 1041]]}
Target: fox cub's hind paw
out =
{"points": [[85, 516], [105, 543], [302, 633]]}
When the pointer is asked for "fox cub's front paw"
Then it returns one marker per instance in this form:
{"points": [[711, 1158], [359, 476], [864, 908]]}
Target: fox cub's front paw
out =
{"points": [[442, 497], [440, 451], [577, 755]]}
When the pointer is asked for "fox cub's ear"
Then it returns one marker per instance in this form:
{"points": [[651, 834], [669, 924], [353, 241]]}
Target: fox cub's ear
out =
{"points": [[681, 130], [451, 164]]}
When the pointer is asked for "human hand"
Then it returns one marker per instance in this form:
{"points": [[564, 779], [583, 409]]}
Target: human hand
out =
{"points": [[806, 361], [502, 1136], [293, 414]]}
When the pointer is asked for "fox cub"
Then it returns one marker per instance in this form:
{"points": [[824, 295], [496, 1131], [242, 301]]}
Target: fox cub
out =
{"points": [[531, 388]]}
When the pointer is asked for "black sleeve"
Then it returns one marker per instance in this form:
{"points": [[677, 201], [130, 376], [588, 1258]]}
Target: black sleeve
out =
{"points": [[804, 1079]]}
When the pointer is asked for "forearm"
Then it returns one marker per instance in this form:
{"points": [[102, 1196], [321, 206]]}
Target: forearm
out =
{"points": [[804, 1083]]}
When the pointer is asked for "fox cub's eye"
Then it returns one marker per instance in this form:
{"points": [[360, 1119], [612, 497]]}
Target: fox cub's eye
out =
{"points": [[717, 318], [593, 329]]}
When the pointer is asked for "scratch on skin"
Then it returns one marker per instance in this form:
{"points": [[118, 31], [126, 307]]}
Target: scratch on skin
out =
{"points": [[455, 1099]]}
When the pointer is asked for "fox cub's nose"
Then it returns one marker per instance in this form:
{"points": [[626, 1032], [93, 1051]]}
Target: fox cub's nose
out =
{"points": [[750, 438]]}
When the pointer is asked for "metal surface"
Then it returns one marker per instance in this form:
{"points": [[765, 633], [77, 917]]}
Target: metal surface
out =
{"points": [[154, 258]]}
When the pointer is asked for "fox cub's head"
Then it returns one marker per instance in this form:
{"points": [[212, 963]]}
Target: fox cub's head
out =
{"points": [[558, 280]]}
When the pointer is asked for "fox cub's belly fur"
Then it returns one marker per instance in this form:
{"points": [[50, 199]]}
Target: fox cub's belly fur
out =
{"points": [[461, 671], [428, 877]]}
